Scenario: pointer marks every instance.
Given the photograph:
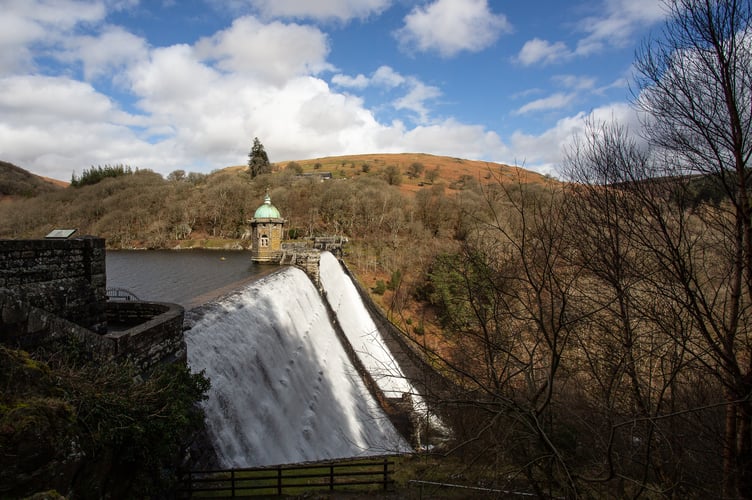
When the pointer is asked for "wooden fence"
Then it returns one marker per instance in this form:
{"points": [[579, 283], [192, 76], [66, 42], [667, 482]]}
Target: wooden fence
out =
{"points": [[366, 475]]}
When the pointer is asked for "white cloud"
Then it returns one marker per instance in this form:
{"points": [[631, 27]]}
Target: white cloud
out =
{"points": [[555, 101], [171, 75], [542, 51], [31, 100], [54, 125], [112, 50], [415, 99], [449, 137], [452, 26], [359, 82], [274, 52], [616, 26], [385, 76], [544, 152], [24, 23], [575, 81], [341, 10]]}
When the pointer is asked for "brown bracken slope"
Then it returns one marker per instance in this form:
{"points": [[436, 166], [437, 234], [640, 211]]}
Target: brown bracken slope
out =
{"points": [[449, 169]]}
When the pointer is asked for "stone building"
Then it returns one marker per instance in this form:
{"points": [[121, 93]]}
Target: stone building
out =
{"points": [[266, 233]]}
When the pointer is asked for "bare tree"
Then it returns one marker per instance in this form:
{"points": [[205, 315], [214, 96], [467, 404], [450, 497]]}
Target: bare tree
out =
{"points": [[695, 87]]}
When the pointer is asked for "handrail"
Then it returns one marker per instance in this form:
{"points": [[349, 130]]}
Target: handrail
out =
{"points": [[121, 294]]}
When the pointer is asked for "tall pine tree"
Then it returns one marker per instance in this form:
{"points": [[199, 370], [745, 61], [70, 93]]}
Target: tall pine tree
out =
{"points": [[258, 161]]}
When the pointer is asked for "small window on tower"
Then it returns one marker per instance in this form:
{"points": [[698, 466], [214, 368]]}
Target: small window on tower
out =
{"points": [[264, 241]]}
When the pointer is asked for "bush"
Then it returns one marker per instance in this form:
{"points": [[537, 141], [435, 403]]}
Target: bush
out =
{"points": [[122, 437]]}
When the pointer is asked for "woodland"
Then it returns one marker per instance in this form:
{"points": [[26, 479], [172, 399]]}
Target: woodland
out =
{"points": [[595, 331]]}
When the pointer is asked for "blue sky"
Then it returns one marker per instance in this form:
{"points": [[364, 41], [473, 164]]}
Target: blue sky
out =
{"points": [[171, 84]]}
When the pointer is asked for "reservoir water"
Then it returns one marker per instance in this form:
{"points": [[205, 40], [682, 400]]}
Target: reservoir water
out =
{"points": [[186, 277]]}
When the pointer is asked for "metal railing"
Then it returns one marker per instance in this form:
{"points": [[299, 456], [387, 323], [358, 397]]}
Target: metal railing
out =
{"points": [[121, 294]]}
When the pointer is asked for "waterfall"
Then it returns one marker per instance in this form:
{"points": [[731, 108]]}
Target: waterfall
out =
{"points": [[282, 387], [366, 340], [360, 329]]}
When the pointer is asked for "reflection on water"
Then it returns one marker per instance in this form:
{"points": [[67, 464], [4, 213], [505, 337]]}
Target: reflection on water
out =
{"points": [[186, 277]]}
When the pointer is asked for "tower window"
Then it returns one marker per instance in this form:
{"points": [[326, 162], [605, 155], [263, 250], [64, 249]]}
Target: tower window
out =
{"points": [[264, 241]]}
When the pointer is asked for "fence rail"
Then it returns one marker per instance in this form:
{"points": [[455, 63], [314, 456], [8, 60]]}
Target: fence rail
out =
{"points": [[287, 479]]}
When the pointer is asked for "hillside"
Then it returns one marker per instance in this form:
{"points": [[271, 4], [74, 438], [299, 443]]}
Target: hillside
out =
{"points": [[17, 182], [447, 169]]}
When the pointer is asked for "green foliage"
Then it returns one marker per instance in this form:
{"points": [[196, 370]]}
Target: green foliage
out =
{"points": [[379, 288], [463, 289], [96, 174], [395, 279], [123, 437], [258, 160]]}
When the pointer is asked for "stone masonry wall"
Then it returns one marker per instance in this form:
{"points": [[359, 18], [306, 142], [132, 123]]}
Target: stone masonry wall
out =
{"points": [[147, 333], [65, 277]]}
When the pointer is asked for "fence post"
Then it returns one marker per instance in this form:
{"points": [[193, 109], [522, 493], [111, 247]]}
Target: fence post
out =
{"points": [[331, 477], [386, 473], [232, 483], [279, 480]]}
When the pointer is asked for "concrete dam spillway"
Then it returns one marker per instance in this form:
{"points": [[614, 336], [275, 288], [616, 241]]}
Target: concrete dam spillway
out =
{"points": [[283, 389]]}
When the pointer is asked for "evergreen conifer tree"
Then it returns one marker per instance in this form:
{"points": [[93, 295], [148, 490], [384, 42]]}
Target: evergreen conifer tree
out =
{"points": [[258, 160]]}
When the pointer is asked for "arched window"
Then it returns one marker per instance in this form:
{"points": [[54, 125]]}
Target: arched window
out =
{"points": [[264, 241]]}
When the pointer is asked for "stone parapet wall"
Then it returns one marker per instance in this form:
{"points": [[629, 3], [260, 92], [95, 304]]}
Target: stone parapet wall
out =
{"points": [[25, 326], [147, 334], [151, 334], [65, 277]]}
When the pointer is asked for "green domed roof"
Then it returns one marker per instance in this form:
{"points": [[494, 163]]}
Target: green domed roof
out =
{"points": [[267, 210]]}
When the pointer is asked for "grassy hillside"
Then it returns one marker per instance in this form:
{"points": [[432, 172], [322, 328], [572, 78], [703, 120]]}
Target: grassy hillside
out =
{"points": [[17, 182], [448, 170]]}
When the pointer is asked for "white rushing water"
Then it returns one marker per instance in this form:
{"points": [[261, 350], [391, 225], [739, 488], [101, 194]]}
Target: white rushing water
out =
{"points": [[283, 389], [360, 329], [369, 345]]}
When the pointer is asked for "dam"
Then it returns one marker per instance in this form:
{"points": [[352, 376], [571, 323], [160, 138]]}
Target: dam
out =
{"points": [[283, 387]]}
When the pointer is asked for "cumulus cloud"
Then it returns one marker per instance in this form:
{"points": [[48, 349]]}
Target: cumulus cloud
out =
{"points": [[452, 26], [24, 23], [110, 51], [542, 51], [387, 77], [273, 52], [341, 10], [55, 125]]}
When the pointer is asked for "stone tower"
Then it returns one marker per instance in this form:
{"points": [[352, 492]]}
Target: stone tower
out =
{"points": [[266, 233]]}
